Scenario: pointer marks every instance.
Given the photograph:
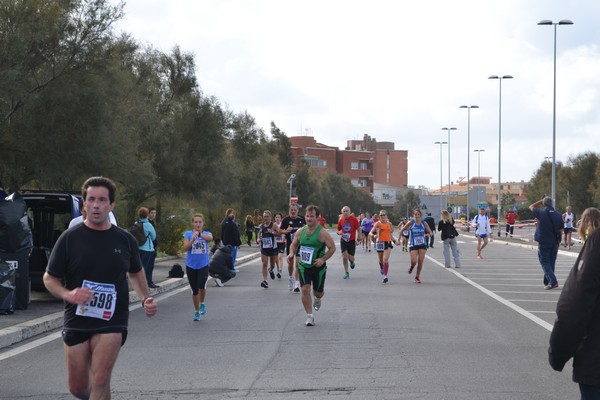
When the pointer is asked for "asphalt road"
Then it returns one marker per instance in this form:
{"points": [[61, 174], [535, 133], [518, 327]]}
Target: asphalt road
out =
{"points": [[480, 332]]}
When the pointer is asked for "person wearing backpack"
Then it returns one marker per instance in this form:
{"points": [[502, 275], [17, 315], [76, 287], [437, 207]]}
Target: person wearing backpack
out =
{"points": [[483, 230], [147, 249]]}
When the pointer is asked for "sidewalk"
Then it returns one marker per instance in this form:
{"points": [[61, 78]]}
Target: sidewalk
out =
{"points": [[45, 313]]}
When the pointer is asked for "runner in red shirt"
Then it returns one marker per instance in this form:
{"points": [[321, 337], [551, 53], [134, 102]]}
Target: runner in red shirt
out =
{"points": [[510, 218], [347, 228]]}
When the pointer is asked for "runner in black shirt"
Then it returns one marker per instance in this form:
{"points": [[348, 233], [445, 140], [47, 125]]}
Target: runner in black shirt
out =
{"points": [[290, 224]]}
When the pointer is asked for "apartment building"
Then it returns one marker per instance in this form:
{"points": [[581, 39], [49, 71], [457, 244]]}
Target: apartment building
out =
{"points": [[369, 164]]}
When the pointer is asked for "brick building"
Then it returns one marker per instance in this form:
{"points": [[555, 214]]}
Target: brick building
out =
{"points": [[369, 164]]}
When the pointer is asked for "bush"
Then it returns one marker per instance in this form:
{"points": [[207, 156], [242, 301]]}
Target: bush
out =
{"points": [[170, 231]]}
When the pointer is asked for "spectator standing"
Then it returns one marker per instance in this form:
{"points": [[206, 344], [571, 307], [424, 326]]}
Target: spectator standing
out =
{"points": [[548, 234], [568, 220], [510, 218], [256, 220], [147, 253], [483, 230], [431, 223], [322, 221], [230, 233], [449, 235], [152, 219], [576, 331], [249, 229]]}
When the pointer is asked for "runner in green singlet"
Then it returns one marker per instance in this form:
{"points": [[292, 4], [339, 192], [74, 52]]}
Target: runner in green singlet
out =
{"points": [[312, 241]]}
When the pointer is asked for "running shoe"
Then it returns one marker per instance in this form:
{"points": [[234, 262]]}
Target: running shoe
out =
{"points": [[272, 274], [417, 280], [310, 320], [218, 282], [291, 284], [549, 287], [346, 275], [447, 266], [202, 309], [410, 270], [297, 287], [385, 280], [317, 303], [278, 274], [480, 257], [352, 265], [196, 316], [264, 284], [369, 250]]}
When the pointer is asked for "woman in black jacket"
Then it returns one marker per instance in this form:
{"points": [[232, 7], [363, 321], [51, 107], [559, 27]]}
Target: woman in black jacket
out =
{"points": [[576, 332], [449, 234]]}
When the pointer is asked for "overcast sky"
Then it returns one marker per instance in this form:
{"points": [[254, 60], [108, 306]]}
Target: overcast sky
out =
{"points": [[397, 70]]}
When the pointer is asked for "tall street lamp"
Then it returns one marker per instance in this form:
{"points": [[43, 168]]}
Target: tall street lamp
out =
{"points": [[478, 151], [441, 183], [290, 181], [548, 22], [500, 78], [449, 181], [468, 154]]}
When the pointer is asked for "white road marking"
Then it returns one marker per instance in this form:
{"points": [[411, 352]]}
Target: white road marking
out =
{"points": [[523, 312]]}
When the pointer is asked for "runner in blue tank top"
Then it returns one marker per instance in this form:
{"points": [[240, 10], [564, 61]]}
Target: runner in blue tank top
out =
{"points": [[419, 234]]}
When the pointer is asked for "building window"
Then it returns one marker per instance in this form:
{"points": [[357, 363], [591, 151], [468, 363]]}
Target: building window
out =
{"points": [[315, 162], [354, 165], [363, 182], [363, 165]]}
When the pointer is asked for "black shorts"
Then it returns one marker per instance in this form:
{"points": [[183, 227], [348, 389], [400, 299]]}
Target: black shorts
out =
{"points": [[314, 276], [73, 338], [419, 247], [349, 246], [568, 230], [386, 245], [269, 251], [281, 247], [197, 278]]}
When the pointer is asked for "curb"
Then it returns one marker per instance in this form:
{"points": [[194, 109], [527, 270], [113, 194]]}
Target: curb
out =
{"points": [[38, 326]]}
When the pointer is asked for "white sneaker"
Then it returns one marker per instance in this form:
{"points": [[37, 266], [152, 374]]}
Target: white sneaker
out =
{"points": [[297, 287], [310, 320], [317, 303], [219, 283], [291, 284]]}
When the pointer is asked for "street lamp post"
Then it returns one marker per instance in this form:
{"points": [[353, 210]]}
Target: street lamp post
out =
{"points": [[478, 151], [468, 154], [500, 78], [548, 22], [290, 181], [441, 183], [449, 181]]}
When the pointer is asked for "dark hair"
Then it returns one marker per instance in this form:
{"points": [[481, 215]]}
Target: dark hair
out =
{"points": [[314, 208], [150, 209], [96, 181]]}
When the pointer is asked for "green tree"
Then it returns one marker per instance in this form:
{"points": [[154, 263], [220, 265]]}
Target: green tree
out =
{"points": [[406, 204], [576, 182]]}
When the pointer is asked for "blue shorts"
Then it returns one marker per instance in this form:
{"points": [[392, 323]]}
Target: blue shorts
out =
{"points": [[483, 236]]}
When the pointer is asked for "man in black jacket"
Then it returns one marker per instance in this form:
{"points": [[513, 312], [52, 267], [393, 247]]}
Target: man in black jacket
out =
{"points": [[220, 266], [230, 233], [548, 234], [430, 221]]}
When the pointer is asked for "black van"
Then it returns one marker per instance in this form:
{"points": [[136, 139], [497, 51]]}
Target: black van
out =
{"points": [[49, 214]]}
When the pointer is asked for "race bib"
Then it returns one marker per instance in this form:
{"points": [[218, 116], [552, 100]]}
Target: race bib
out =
{"points": [[306, 254], [267, 243], [420, 240], [199, 247], [102, 306], [346, 237], [379, 246]]}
